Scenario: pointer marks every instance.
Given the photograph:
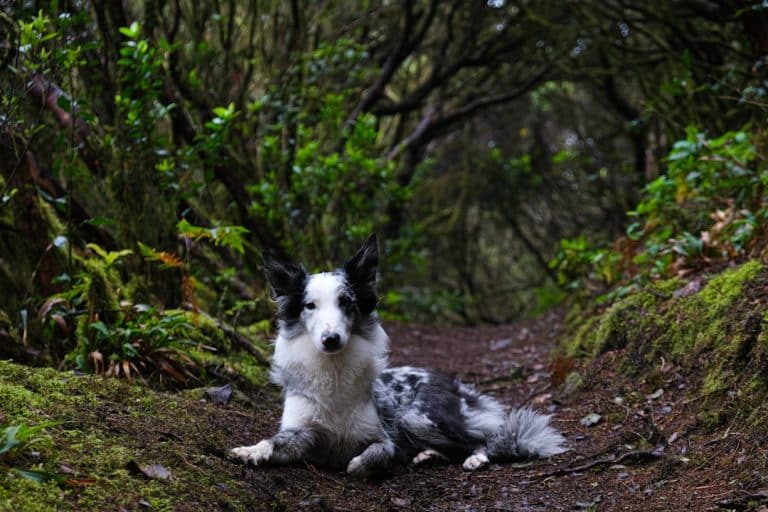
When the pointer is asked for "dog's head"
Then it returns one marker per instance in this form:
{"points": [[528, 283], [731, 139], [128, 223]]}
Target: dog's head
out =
{"points": [[330, 305]]}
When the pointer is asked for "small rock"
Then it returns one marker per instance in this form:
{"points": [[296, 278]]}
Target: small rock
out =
{"points": [[618, 400], [152, 471], [590, 419], [573, 381], [500, 344], [219, 395], [656, 394], [400, 502], [314, 503]]}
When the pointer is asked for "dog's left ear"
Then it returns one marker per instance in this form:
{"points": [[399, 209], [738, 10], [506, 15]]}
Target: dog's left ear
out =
{"points": [[361, 268], [361, 272]]}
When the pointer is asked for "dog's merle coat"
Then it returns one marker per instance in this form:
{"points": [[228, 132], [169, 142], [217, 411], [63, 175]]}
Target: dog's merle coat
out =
{"points": [[344, 408]]}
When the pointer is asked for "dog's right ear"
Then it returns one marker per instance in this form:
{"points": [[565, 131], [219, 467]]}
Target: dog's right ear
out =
{"points": [[361, 267], [284, 278]]}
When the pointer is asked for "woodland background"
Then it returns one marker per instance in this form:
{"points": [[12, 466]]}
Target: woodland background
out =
{"points": [[508, 154], [601, 162]]}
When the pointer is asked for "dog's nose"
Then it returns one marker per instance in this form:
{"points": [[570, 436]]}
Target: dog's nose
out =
{"points": [[330, 340]]}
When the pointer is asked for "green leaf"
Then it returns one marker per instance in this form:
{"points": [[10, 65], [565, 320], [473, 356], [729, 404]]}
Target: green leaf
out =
{"points": [[10, 439], [100, 221], [132, 32], [38, 476], [100, 327], [64, 103]]}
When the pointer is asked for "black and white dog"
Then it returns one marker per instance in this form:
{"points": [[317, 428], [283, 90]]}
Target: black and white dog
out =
{"points": [[344, 408]]}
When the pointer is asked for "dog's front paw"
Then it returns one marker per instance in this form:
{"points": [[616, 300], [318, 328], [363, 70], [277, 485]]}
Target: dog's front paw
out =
{"points": [[256, 455], [357, 468]]}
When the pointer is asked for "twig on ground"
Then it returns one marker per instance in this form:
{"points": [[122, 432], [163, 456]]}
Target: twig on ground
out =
{"points": [[636, 455], [745, 501]]}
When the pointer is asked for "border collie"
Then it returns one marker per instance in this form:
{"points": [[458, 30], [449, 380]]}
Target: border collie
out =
{"points": [[344, 408]]}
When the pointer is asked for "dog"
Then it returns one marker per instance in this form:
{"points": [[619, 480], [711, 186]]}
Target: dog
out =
{"points": [[344, 408]]}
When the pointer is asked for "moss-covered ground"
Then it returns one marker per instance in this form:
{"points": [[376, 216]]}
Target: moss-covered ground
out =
{"points": [[711, 328], [676, 372], [105, 429]]}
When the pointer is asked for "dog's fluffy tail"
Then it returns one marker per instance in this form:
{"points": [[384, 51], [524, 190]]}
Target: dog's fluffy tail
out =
{"points": [[525, 433]]}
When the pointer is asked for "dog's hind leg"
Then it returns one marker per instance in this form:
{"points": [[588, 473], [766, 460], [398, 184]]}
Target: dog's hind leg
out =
{"points": [[286, 446], [374, 460], [477, 460]]}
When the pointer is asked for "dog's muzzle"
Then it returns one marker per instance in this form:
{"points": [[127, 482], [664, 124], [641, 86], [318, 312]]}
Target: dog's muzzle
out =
{"points": [[331, 341]]}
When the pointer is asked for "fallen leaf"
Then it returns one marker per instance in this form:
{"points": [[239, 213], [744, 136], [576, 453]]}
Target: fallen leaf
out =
{"points": [[689, 289]]}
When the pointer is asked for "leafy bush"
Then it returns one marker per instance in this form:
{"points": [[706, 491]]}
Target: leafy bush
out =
{"points": [[710, 207]]}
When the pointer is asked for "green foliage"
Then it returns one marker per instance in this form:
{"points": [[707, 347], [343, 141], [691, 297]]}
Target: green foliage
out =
{"points": [[141, 81], [226, 236], [709, 207], [577, 259], [144, 343], [330, 186], [18, 439], [104, 332]]}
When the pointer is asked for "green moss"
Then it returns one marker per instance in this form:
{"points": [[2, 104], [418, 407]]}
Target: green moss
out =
{"points": [[614, 328], [714, 382], [715, 335], [104, 425], [17, 493], [55, 226], [726, 287], [658, 323], [668, 286]]}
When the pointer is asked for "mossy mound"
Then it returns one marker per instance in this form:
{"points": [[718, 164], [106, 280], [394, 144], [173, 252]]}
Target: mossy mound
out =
{"points": [[105, 430], [713, 329]]}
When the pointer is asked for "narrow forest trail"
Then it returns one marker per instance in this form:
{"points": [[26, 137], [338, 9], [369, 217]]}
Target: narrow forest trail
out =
{"points": [[641, 455]]}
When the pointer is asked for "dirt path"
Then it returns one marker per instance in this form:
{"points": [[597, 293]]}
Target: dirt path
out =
{"points": [[663, 466]]}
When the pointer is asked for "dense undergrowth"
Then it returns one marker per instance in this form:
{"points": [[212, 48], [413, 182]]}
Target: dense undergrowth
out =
{"points": [[687, 289]]}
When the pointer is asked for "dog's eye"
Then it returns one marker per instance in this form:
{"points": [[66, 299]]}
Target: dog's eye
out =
{"points": [[309, 305]]}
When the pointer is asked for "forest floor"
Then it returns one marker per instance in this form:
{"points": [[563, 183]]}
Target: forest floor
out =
{"points": [[644, 453]]}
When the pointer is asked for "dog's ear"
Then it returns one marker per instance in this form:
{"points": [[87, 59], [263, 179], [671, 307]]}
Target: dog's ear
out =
{"points": [[361, 268], [284, 278], [361, 272]]}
